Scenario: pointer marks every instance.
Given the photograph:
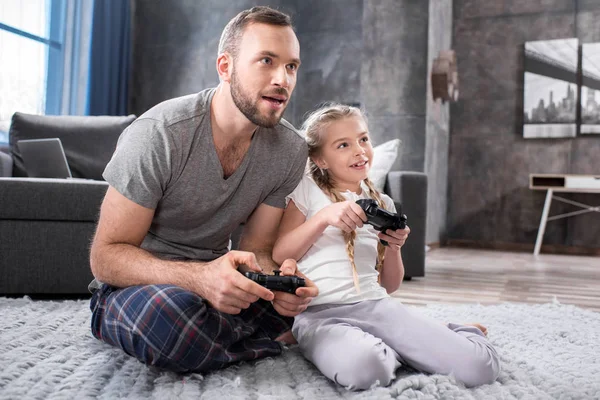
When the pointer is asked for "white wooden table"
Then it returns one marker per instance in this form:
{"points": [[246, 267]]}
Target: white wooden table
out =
{"points": [[559, 183]]}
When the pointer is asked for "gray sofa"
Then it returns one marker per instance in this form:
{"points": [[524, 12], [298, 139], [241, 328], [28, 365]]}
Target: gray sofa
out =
{"points": [[46, 225]]}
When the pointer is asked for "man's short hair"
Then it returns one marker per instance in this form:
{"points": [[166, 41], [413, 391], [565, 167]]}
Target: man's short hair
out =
{"points": [[230, 38]]}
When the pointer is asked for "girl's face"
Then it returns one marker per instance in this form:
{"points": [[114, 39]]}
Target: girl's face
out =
{"points": [[346, 152]]}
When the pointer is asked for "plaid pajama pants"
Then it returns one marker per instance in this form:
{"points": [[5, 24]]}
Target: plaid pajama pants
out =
{"points": [[171, 328]]}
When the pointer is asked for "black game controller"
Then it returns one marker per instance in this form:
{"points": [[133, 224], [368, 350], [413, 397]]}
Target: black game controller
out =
{"points": [[277, 282], [381, 219]]}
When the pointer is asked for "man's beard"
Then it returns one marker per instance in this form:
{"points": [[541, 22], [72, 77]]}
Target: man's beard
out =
{"points": [[250, 109]]}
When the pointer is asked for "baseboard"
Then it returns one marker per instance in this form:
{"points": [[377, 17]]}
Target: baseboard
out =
{"points": [[524, 247], [434, 245]]}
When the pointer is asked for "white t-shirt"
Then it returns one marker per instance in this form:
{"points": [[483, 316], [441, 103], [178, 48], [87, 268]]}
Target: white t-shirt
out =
{"points": [[327, 263]]}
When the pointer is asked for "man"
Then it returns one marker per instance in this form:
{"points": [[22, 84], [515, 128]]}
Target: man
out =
{"points": [[183, 177]]}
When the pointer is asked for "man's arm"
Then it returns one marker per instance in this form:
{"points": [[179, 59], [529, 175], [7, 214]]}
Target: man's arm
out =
{"points": [[260, 233], [117, 259]]}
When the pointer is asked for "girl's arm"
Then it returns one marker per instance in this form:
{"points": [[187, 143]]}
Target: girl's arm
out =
{"points": [[392, 272], [296, 234]]}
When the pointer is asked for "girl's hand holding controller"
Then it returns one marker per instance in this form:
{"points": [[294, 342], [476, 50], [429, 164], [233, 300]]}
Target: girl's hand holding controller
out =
{"points": [[346, 215], [395, 238], [288, 304]]}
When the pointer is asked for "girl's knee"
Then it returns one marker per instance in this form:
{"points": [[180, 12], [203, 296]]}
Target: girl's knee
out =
{"points": [[480, 371], [375, 366]]}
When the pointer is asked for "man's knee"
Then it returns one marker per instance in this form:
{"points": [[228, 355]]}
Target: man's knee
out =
{"points": [[373, 366], [143, 307], [159, 325]]}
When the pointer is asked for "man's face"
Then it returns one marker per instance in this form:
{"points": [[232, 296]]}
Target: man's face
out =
{"points": [[264, 72]]}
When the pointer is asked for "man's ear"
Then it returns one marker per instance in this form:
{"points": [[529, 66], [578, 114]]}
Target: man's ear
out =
{"points": [[224, 67]]}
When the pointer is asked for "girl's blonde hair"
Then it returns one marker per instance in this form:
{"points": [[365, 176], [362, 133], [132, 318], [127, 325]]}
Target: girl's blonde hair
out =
{"points": [[314, 128]]}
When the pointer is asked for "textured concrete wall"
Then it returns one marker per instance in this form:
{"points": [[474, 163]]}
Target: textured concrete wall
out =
{"points": [[393, 75], [490, 162], [330, 34], [437, 125]]}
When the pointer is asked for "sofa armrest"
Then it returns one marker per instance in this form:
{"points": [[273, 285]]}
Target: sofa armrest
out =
{"points": [[6, 165], [408, 189], [51, 199]]}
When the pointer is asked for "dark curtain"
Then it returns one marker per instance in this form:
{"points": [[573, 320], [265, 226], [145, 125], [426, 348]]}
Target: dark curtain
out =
{"points": [[109, 58]]}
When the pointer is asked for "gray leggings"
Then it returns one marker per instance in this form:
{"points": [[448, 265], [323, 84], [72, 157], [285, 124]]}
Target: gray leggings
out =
{"points": [[357, 345]]}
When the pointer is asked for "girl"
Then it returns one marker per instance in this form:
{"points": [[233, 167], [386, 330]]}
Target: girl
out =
{"points": [[353, 331]]}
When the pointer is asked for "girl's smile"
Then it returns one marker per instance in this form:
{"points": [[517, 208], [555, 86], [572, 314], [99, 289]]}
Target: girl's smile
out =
{"points": [[361, 164]]}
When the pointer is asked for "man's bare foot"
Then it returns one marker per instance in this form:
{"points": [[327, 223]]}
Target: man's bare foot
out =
{"points": [[286, 338], [482, 328]]}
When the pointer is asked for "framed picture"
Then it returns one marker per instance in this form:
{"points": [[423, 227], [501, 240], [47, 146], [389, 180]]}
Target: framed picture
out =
{"points": [[590, 88], [550, 91]]}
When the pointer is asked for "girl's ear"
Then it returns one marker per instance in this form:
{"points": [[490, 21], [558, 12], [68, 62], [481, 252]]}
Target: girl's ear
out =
{"points": [[320, 162]]}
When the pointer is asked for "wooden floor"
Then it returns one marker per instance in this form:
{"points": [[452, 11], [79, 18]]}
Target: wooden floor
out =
{"points": [[458, 275]]}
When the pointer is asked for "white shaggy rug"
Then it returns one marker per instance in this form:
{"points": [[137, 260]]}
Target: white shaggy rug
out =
{"points": [[549, 351]]}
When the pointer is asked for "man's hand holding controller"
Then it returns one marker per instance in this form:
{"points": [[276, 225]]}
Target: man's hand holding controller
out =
{"points": [[220, 283], [289, 304], [229, 291]]}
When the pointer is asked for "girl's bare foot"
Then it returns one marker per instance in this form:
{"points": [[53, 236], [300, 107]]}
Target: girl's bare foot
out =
{"points": [[287, 338], [482, 328]]}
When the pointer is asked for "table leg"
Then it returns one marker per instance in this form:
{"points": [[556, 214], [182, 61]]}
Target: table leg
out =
{"points": [[542, 228]]}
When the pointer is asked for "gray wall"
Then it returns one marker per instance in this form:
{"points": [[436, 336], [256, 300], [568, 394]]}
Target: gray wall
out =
{"points": [[490, 162], [393, 75], [330, 34], [437, 126]]}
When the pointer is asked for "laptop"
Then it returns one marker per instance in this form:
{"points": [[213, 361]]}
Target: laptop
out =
{"points": [[44, 158]]}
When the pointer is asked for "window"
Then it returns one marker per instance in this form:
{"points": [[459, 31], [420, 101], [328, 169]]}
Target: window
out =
{"points": [[31, 36]]}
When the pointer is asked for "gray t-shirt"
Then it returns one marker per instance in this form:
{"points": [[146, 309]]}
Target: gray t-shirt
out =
{"points": [[166, 160]]}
